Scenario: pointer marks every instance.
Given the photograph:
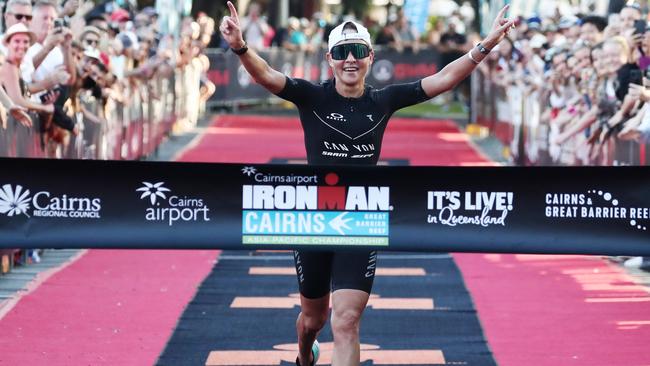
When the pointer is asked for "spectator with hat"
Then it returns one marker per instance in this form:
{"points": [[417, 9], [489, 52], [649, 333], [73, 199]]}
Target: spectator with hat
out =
{"points": [[121, 20], [90, 37], [17, 11], [17, 40]]}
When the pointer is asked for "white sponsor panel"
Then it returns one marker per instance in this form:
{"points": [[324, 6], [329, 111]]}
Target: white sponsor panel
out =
{"points": [[16, 200], [595, 204], [170, 208], [452, 208]]}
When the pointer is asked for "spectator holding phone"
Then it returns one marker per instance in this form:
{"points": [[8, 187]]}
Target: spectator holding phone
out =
{"points": [[52, 47], [52, 58]]}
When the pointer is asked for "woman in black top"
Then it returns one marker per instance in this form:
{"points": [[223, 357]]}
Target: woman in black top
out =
{"points": [[344, 121]]}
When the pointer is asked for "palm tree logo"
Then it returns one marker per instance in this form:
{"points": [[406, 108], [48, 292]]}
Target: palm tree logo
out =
{"points": [[153, 191], [14, 202], [249, 170]]}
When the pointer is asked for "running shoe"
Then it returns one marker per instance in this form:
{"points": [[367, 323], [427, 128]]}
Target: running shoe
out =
{"points": [[315, 352]]}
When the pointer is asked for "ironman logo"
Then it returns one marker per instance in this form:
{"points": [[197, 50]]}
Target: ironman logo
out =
{"points": [[327, 214]]}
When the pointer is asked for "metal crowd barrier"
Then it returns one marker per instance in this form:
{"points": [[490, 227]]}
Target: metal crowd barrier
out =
{"points": [[134, 127], [513, 116]]}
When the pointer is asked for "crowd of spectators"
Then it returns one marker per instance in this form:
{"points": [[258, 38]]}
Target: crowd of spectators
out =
{"points": [[589, 72], [62, 64], [587, 76], [452, 35], [75, 75], [311, 34]]}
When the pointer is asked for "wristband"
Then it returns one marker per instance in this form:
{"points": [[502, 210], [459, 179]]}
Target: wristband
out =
{"points": [[240, 51], [469, 54]]}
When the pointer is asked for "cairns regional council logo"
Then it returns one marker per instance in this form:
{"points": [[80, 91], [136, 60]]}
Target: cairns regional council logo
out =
{"points": [[171, 208], [16, 200], [297, 210]]}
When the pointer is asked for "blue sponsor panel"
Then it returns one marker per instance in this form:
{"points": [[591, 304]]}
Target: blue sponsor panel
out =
{"points": [[315, 240], [316, 223]]}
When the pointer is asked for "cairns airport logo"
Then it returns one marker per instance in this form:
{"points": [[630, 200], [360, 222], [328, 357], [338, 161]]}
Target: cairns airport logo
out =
{"points": [[16, 200], [170, 208], [297, 210]]}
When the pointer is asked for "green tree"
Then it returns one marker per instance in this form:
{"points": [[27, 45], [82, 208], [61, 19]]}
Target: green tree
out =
{"points": [[357, 7]]}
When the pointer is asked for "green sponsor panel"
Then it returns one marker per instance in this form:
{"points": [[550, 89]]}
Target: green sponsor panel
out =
{"points": [[313, 240]]}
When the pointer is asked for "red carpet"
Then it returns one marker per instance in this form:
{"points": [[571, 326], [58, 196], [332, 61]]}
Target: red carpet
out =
{"points": [[255, 139], [120, 307], [559, 310], [110, 307]]}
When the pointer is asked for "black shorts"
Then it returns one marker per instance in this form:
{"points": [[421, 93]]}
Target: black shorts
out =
{"points": [[322, 272]]}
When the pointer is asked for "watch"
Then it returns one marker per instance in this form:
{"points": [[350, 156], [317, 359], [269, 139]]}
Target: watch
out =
{"points": [[240, 51], [482, 49]]}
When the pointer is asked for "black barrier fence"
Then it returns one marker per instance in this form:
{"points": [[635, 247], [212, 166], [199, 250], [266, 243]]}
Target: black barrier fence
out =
{"points": [[235, 85], [237, 206]]}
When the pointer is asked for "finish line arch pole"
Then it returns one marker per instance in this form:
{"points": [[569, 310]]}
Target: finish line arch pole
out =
{"points": [[147, 205]]}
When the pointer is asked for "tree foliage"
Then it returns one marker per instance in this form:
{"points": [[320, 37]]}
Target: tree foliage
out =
{"points": [[357, 7]]}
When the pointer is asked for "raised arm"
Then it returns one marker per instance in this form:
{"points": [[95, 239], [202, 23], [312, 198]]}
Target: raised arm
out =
{"points": [[458, 70], [273, 80]]}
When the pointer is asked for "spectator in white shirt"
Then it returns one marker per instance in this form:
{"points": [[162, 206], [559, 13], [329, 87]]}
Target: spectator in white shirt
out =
{"points": [[51, 53]]}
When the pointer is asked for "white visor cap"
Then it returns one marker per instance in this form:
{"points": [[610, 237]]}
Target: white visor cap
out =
{"points": [[337, 35]]}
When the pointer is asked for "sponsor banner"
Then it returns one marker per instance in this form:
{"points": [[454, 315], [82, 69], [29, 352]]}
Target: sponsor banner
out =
{"points": [[234, 84], [99, 204]]}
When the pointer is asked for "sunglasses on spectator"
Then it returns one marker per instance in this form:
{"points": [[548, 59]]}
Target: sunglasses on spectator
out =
{"points": [[22, 16], [91, 42], [358, 50]]}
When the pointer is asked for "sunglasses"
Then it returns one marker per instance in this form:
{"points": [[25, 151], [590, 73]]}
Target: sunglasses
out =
{"points": [[358, 50], [22, 16], [91, 42]]}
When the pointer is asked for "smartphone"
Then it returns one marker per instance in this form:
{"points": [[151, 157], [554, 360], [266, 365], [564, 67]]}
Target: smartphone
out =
{"points": [[640, 26], [636, 77], [587, 100], [59, 23]]}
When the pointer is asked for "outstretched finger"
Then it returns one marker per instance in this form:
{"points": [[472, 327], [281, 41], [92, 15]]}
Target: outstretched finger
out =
{"points": [[502, 12], [233, 12]]}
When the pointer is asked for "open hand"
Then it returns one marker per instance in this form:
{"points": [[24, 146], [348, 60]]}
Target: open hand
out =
{"points": [[230, 28], [21, 116]]}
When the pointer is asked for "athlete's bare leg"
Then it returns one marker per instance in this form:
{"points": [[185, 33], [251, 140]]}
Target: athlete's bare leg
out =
{"points": [[312, 318], [347, 308]]}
